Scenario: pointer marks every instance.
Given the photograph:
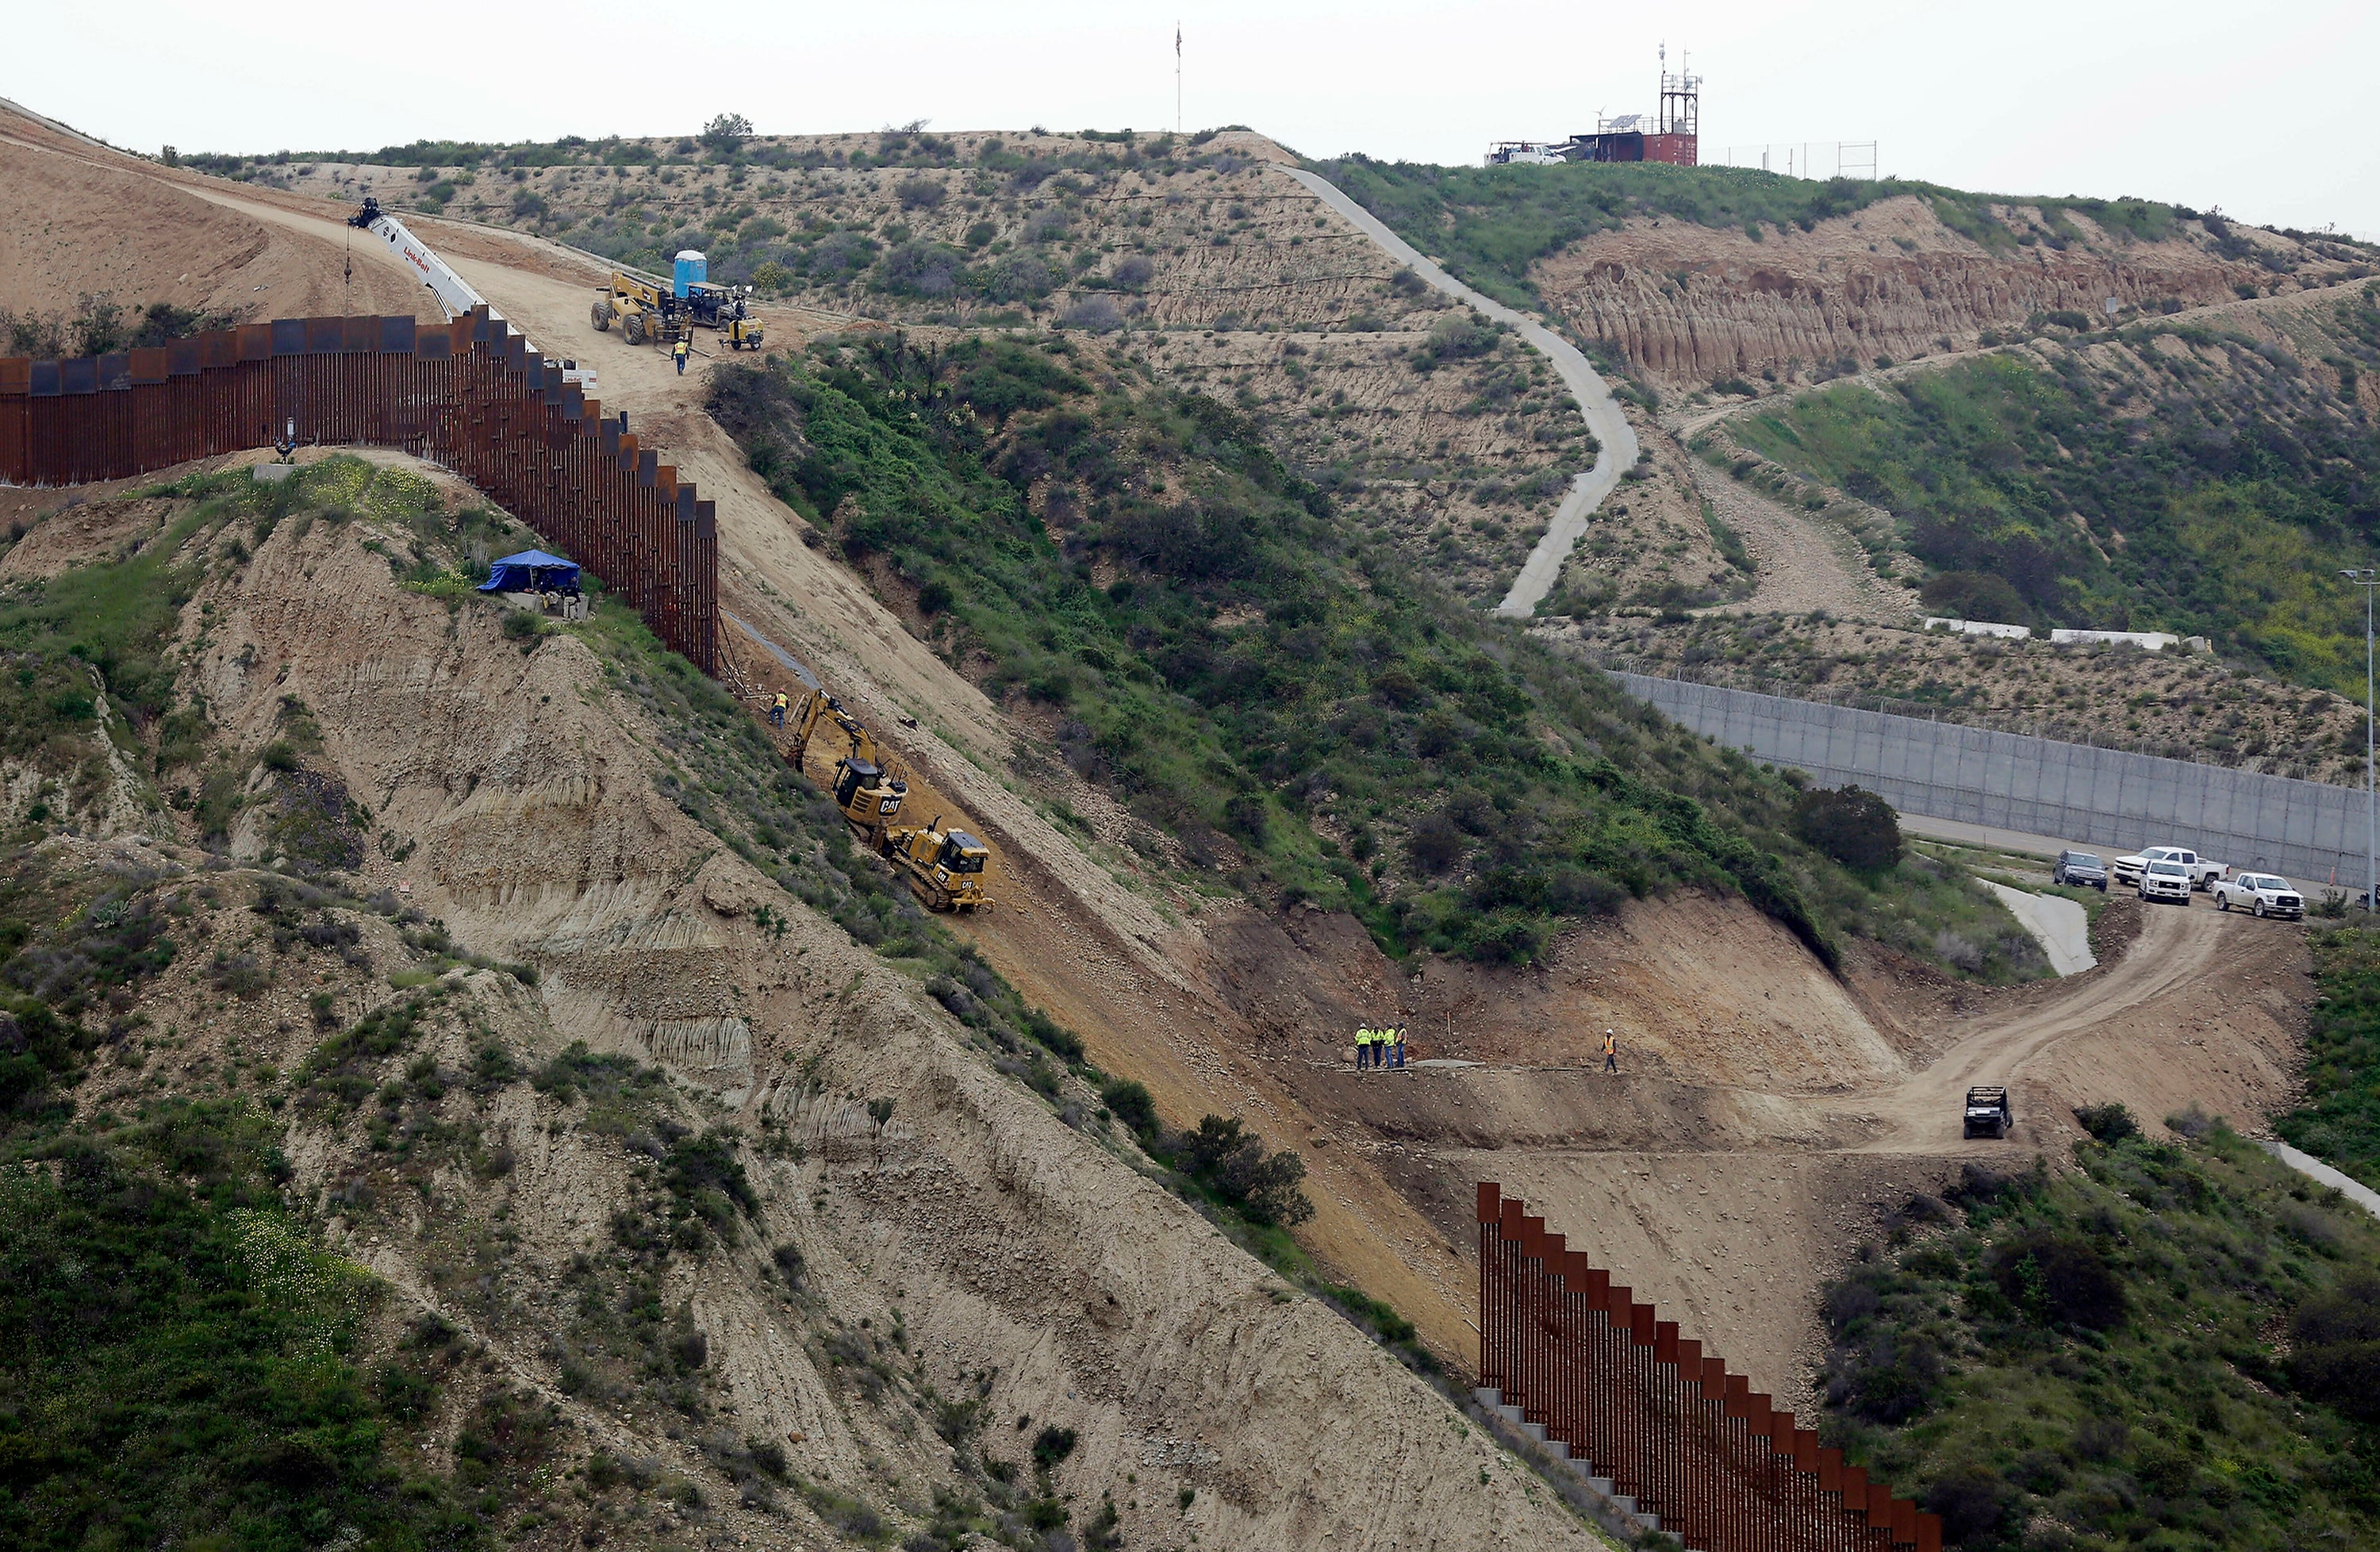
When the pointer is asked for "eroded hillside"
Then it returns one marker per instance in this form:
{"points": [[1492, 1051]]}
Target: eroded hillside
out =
{"points": [[484, 999], [1703, 278]]}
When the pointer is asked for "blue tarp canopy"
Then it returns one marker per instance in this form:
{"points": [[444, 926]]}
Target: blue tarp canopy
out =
{"points": [[531, 571]]}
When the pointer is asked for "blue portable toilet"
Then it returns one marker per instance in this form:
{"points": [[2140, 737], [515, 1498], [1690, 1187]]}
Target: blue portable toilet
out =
{"points": [[693, 269]]}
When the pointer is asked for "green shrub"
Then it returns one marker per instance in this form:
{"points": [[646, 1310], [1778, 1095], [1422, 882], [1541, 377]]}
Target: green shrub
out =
{"points": [[2060, 1279], [175, 1346], [2334, 1346], [1131, 1103], [2100, 1347], [1969, 595], [1231, 1162], [1853, 825], [2338, 1119], [2110, 1123]]}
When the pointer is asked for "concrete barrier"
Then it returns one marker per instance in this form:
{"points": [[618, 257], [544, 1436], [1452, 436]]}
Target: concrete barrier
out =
{"points": [[2109, 799]]}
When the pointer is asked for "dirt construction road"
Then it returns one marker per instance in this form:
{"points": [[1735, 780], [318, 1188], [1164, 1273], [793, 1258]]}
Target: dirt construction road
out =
{"points": [[2159, 976], [1737, 1230]]}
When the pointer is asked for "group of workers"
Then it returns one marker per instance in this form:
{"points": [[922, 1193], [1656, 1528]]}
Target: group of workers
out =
{"points": [[1386, 1048]]}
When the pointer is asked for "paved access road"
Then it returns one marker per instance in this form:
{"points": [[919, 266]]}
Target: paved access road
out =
{"points": [[1595, 404], [2061, 927]]}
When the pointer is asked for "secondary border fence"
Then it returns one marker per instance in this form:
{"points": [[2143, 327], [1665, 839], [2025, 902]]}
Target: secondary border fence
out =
{"points": [[1663, 1421], [2074, 793], [1964, 715], [471, 395]]}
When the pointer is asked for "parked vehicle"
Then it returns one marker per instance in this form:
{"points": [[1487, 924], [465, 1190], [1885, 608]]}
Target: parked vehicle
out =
{"points": [[2167, 880], [2202, 872], [2263, 894], [1987, 1112], [2080, 870]]}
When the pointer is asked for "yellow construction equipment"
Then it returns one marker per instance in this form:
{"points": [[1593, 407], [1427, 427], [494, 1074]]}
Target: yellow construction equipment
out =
{"points": [[647, 307], [639, 305], [944, 866], [866, 793]]}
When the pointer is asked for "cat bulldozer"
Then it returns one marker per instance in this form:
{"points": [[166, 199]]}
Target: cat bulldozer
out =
{"points": [[866, 793], [944, 866]]}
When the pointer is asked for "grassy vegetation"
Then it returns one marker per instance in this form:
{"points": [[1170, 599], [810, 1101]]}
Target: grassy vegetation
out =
{"points": [[175, 1354], [2165, 1348], [174, 1348], [2226, 512], [1492, 225], [2338, 1120], [1304, 717]]}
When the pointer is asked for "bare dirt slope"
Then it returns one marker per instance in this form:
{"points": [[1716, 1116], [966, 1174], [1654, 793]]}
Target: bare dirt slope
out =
{"points": [[79, 224], [1737, 1230], [1803, 565], [1019, 1261], [1691, 305]]}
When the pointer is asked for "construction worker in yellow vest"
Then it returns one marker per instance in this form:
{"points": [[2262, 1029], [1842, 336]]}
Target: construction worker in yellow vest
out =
{"points": [[777, 712], [1397, 1047], [1364, 1039]]}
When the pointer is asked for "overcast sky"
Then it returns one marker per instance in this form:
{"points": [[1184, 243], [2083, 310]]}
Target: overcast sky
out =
{"points": [[2262, 111]]}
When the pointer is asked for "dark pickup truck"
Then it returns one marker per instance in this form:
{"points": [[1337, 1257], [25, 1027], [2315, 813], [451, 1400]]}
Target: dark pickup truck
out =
{"points": [[1987, 1112]]}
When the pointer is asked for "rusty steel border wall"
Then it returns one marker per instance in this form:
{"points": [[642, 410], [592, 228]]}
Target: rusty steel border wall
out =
{"points": [[471, 395], [1665, 1423]]}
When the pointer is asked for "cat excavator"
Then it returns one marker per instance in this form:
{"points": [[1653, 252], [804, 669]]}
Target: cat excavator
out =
{"points": [[944, 868], [866, 793]]}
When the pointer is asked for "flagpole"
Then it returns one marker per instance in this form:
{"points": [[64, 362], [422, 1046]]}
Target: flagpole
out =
{"points": [[1177, 77]]}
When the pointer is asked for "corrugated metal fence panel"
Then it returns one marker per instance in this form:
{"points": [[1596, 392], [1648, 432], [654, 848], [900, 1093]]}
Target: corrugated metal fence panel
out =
{"points": [[2107, 798], [1664, 1421], [469, 395]]}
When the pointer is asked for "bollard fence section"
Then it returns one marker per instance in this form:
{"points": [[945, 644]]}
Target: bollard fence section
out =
{"points": [[469, 395], [1665, 1423]]}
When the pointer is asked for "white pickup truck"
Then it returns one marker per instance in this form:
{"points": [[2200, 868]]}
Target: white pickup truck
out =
{"points": [[2263, 894], [2203, 873]]}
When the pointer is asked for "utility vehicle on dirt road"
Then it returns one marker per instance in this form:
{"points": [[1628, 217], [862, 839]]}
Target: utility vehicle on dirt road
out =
{"points": [[2263, 894], [1987, 1112]]}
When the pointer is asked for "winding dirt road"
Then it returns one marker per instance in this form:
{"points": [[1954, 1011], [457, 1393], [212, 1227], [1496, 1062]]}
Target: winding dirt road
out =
{"points": [[2161, 976], [1595, 404]]}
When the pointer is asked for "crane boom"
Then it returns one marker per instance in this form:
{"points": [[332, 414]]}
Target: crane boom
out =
{"points": [[454, 292]]}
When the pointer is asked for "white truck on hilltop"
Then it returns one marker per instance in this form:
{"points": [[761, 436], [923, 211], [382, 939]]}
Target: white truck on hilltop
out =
{"points": [[2203, 873]]}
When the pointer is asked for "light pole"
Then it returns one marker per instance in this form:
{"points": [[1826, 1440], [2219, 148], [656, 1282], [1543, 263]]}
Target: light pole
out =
{"points": [[2368, 577]]}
